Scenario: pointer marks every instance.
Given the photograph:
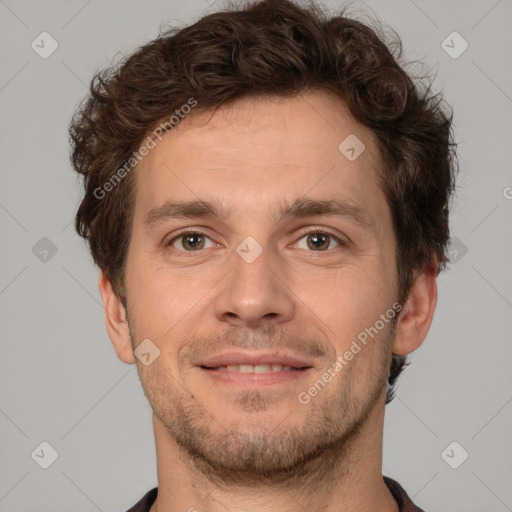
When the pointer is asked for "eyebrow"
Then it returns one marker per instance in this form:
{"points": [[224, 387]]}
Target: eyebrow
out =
{"points": [[301, 207]]}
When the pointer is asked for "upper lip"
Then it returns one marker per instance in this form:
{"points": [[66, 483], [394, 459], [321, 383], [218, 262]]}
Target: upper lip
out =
{"points": [[255, 358]]}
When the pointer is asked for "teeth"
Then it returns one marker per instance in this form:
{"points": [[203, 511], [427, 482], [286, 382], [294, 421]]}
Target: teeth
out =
{"points": [[257, 368]]}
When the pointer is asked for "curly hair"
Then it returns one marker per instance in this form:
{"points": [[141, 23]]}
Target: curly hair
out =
{"points": [[280, 48]]}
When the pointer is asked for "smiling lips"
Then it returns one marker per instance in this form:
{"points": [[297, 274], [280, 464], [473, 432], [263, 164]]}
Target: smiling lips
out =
{"points": [[255, 368], [255, 362], [249, 369]]}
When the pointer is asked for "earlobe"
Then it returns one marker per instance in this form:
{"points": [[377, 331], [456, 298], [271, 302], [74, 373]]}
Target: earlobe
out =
{"points": [[116, 321], [417, 313]]}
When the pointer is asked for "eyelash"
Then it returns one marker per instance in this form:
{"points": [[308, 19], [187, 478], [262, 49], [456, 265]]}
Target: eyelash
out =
{"points": [[187, 254]]}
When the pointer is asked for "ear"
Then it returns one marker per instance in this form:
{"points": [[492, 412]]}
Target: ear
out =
{"points": [[416, 315], [116, 321]]}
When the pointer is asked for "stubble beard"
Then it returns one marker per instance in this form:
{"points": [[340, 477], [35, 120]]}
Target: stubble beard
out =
{"points": [[279, 455]]}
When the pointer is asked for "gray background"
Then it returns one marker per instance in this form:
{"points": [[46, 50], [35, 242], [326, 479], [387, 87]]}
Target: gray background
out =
{"points": [[61, 381]]}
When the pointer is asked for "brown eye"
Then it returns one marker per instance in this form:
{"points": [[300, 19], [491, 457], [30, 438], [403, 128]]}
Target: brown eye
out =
{"points": [[193, 241], [189, 242], [319, 241]]}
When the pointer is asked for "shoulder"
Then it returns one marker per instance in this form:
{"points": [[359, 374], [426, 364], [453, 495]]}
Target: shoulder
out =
{"points": [[405, 503], [146, 501]]}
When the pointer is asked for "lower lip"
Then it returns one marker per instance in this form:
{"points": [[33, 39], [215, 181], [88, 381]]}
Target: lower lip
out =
{"points": [[253, 379]]}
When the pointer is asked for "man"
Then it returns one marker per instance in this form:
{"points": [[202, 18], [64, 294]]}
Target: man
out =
{"points": [[266, 195]]}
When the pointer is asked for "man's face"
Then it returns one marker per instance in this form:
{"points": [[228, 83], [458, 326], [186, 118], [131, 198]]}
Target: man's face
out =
{"points": [[212, 299]]}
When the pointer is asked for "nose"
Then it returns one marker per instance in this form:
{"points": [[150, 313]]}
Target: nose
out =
{"points": [[255, 295]]}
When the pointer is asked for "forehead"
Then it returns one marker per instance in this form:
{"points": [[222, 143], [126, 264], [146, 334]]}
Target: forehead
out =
{"points": [[261, 151]]}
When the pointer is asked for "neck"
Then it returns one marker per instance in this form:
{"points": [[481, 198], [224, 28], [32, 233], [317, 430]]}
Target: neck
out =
{"points": [[344, 477]]}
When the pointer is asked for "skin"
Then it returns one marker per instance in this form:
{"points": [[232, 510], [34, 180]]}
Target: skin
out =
{"points": [[222, 447]]}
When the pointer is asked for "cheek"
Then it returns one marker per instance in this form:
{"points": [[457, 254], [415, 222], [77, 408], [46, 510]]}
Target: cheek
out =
{"points": [[168, 307], [348, 300], [158, 294]]}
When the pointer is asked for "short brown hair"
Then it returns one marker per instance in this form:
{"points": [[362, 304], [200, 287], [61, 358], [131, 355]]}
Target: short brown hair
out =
{"points": [[271, 47]]}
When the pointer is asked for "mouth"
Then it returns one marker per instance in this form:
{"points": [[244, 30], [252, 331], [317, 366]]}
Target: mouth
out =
{"points": [[255, 368], [247, 361], [248, 376], [248, 369]]}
